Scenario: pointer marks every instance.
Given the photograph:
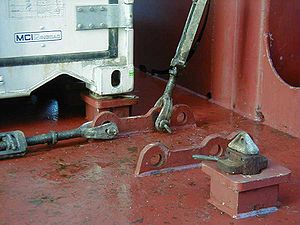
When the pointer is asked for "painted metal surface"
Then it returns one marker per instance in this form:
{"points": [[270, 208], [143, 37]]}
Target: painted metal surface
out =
{"points": [[284, 40], [235, 153], [93, 183], [156, 158], [120, 105], [182, 118], [240, 194], [243, 61]]}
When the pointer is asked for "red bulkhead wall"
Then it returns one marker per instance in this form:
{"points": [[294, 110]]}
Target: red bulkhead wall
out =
{"points": [[248, 59]]}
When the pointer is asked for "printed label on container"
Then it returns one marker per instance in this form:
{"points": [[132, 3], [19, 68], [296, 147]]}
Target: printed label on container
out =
{"points": [[41, 36], [35, 8]]}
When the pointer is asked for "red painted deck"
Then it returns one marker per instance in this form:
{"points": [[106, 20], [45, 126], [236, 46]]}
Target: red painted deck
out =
{"points": [[93, 183]]}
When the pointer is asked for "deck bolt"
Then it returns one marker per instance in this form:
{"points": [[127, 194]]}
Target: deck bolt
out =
{"points": [[102, 8], [102, 25], [91, 26], [92, 9], [80, 26], [79, 9]]}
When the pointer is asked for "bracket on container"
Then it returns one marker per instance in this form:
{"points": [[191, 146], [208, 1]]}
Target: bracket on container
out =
{"points": [[91, 17]]}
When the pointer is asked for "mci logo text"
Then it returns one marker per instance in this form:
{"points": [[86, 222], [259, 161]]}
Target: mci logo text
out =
{"points": [[43, 36], [21, 38]]}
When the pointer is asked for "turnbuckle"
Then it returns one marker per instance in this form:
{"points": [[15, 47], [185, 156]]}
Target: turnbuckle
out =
{"points": [[14, 144]]}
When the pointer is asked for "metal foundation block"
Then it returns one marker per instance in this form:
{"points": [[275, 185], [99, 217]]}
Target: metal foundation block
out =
{"points": [[121, 105], [243, 196]]}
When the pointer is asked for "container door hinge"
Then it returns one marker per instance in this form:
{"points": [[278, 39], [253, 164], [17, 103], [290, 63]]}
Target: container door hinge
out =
{"points": [[92, 17]]}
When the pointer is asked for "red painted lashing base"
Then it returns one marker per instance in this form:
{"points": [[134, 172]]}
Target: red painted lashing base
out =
{"points": [[120, 105], [243, 196]]}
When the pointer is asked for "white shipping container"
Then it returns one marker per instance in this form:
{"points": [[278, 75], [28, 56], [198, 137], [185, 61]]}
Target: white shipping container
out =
{"points": [[91, 40]]}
